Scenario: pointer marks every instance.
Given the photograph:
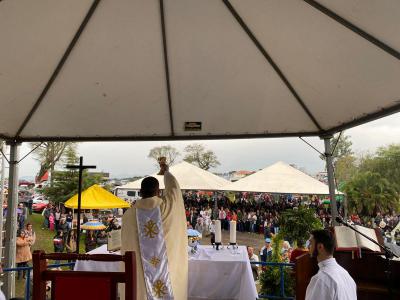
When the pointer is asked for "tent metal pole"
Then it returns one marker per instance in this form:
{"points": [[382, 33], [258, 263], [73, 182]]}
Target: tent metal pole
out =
{"points": [[331, 179], [11, 222], [3, 162]]}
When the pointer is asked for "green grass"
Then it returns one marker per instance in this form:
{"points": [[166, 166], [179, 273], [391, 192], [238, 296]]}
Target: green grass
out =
{"points": [[44, 241]]}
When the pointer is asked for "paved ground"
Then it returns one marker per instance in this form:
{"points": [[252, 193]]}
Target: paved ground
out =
{"points": [[243, 239]]}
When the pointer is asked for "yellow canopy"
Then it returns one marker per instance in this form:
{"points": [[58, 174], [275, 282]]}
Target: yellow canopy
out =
{"points": [[96, 197]]}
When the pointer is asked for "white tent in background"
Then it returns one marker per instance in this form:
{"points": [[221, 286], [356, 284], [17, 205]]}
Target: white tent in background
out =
{"points": [[189, 177], [279, 178]]}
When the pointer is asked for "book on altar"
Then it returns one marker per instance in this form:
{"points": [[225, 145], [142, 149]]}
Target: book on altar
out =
{"points": [[348, 239], [114, 240]]}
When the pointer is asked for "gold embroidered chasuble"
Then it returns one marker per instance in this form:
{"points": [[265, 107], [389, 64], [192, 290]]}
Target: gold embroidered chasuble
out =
{"points": [[174, 227]]}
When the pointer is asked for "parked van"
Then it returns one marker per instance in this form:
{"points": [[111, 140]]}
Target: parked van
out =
{"points": [[127, 194]]}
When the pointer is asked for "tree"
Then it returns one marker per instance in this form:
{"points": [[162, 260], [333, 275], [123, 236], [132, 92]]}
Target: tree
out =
{"points": [[385, 162], [199, 155], [164, 151], [65, 184], [343, 147], [369, 193], [50, 153], [345, 169]]}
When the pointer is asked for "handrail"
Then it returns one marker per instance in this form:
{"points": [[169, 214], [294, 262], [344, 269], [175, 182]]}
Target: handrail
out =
{"points": [[28, 275], [260, 296], [281, 265]]}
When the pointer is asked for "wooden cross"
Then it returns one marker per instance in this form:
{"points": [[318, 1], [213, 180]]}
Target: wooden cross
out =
{"points": [[80, 167]]}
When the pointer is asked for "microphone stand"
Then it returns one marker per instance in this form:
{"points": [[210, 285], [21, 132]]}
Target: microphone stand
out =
{"points": [[388, 255]]}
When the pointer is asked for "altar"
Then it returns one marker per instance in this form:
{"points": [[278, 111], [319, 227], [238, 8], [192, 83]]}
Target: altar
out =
{"points": [[215, 275]]}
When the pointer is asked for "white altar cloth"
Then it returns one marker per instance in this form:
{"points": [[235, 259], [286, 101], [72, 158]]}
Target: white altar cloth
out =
{"points": [[213, 275]]}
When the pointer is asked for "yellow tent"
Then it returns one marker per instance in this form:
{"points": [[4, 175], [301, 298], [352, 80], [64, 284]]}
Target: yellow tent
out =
{"points": [[96, 197]]}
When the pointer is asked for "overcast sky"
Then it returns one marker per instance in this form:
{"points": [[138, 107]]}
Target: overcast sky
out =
{"points": [[126, 159]]}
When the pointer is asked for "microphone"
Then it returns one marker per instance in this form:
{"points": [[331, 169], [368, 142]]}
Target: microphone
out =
{"points": [[339, 220]]}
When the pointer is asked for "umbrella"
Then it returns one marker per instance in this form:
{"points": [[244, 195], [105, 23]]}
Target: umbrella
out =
{"points": [[96, 197], [192, 232], [93, 225]]}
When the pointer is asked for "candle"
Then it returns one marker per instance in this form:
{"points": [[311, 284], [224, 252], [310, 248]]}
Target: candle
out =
{"points": [[218, 231], [232, 232]]}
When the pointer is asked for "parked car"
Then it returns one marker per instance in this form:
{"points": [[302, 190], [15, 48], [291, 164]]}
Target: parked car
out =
{"points": [[39, 207], [40, 199]]}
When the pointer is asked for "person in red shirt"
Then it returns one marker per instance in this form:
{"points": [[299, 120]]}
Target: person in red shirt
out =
{"points": [[300, 250]]}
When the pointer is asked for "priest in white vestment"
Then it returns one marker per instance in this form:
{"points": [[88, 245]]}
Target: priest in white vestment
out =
{"points": [[173, 237]]}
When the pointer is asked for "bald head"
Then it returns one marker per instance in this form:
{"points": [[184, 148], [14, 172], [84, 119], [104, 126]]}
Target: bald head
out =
{"points": [[149, 187]]}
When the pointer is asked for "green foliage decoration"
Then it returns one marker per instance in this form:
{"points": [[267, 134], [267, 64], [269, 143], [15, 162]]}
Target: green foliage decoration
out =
{"points": [[296, 224], [270, 277]]}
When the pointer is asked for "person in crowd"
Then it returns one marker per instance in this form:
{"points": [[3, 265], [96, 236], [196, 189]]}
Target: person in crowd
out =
{"points": [[286, 251], [267, 229], [57, 217], [199, 225], [69, 219], [101, 238], [222, 217], [332, 282], [30, 205], [30, 234], [188, 225], [90, 241], [70, 243], [253, 222], [85, 218], [23, 252], [63, 226], [192, 218], [298, 251], [21, 211], [240, 220], [253, 258], [51, 221], [46, 215], [211, 229], [266, 251], [228, 218], [58, 242]]}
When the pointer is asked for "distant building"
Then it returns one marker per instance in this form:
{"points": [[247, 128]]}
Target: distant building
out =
{"points": [[237, 175], [104, 175], [322, 176]]}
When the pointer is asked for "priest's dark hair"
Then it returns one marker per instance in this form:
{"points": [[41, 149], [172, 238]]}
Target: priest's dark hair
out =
{"points": [[324, 237], [149, 187]]}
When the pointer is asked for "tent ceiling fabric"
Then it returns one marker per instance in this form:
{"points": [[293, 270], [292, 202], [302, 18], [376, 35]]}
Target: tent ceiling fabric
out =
{"points": [[189, 177], [280, 178], [242, 68]]}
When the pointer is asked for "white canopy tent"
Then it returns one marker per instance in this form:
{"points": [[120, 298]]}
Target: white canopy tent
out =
{"points": [[92, 70], [279, 178], [189, 177]]}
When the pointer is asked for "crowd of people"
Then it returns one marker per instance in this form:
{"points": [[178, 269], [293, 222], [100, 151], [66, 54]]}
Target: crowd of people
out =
{"points": [[60, 221], [259, 214]]}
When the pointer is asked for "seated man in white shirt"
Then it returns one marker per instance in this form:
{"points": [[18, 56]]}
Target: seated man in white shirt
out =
{"points": [[332, 282], [254, 258]]}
